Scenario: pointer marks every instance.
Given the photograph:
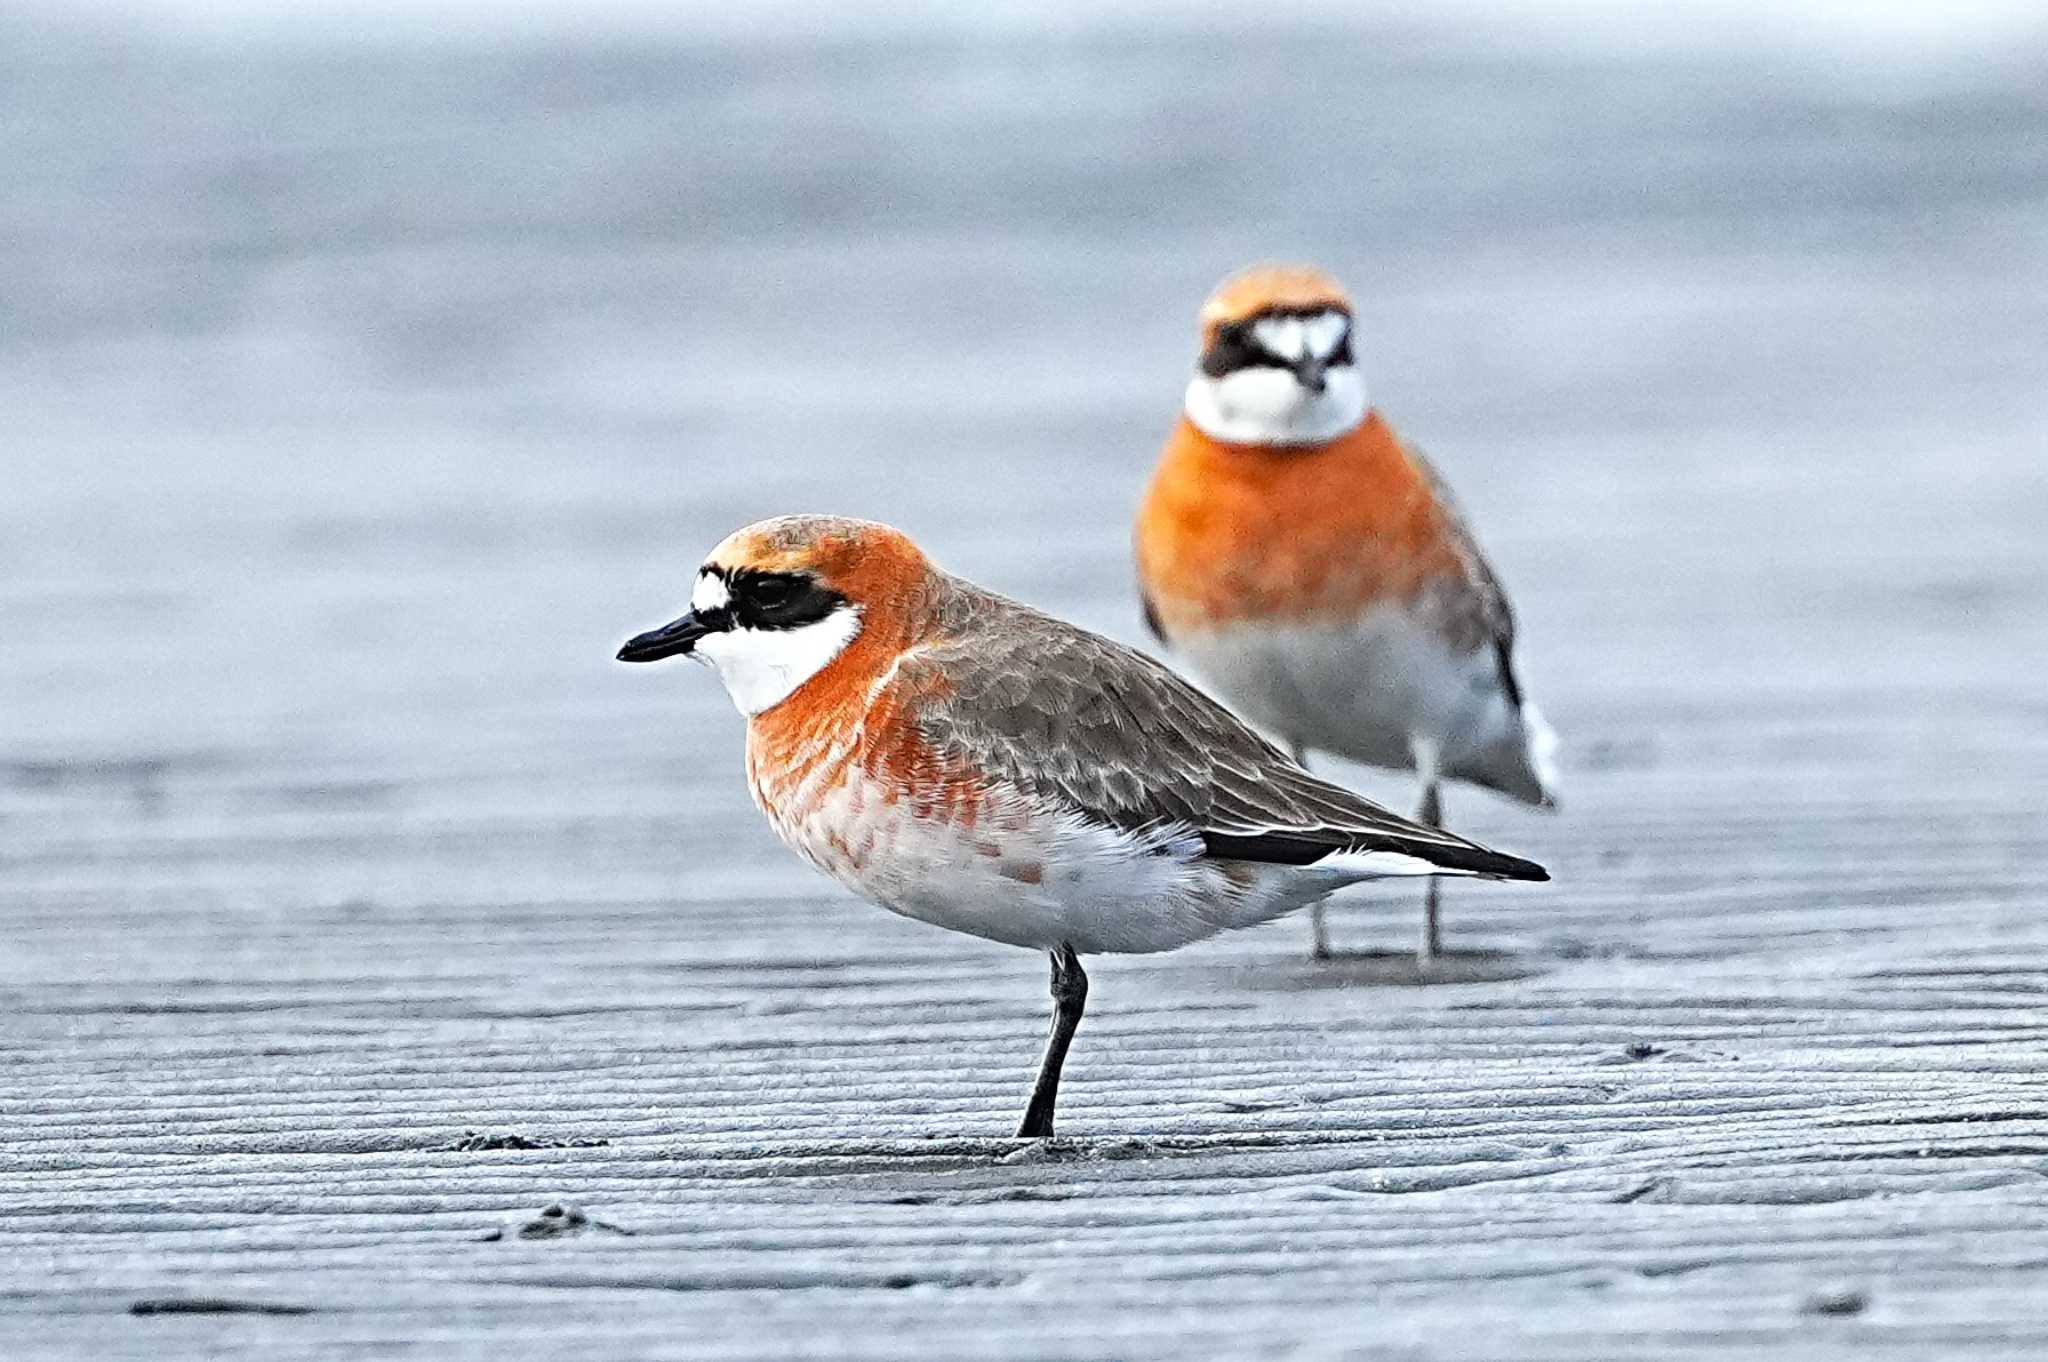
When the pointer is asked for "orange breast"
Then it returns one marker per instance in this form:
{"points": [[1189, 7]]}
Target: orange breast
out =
{"points": [[848, 739], [1235, 533]]}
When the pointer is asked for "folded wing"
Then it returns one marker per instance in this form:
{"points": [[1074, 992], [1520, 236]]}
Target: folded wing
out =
{"points": [[1062, 713]]}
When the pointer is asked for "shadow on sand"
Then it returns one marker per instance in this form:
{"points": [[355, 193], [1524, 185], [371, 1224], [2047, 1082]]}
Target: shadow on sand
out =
{"points": [[1392, 969]]}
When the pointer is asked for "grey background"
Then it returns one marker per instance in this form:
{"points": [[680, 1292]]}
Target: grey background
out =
{"points": [[361, 394]]}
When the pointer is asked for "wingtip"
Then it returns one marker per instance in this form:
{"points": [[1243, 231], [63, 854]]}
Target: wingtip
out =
{"points": [[1450, 857], [1499, 865]]}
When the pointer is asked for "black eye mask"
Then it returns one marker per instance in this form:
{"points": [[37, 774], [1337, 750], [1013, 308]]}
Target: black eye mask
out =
{"points": [[1237, 347], [776, 600]]}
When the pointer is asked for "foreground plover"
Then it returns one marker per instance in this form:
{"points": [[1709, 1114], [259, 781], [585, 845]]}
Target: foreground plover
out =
{"points": [[1313, 568], [970, 762]]}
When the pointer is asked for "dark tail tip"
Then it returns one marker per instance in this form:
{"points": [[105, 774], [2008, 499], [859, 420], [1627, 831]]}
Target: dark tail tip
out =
{"points": [[1496, 865], [1515, 868]]}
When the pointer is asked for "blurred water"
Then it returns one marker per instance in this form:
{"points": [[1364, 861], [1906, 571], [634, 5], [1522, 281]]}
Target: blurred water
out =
{"points": [[360, 388]]}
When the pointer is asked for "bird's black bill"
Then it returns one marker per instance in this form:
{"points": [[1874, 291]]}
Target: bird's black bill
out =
{"points": [[675, 639], [1310, 374]]}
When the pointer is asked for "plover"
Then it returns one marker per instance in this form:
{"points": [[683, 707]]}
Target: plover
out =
{"points": [[965, 760], [1313, 569]]}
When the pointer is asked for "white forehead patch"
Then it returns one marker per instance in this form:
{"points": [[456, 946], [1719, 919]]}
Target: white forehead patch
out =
{"points": [[1282, 336], [1324, 332], [763, 667], [710, 593], [1296, 338]]}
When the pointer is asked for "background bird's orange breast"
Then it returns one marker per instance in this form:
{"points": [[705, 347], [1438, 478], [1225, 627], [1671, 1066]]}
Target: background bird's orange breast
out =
{"points": [[1230, 533]]}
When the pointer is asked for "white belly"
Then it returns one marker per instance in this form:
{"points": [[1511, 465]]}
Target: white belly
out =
{"points": [[1372, 691], [1025, 875]]}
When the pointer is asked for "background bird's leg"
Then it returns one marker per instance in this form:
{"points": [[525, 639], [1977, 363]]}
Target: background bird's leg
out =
{"points": [[1429, 768], [1069, 997], [1432, 813], [1318, 922], [1319, 931]]}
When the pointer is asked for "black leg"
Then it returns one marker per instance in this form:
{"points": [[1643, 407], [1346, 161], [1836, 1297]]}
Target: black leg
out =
{"points": [[1318, 922], [1069, 997], [1432, 813]]}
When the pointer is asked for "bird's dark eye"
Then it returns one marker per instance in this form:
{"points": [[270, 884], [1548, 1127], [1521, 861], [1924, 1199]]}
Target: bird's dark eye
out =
{"points": [[781, 600], [1234, 348]]}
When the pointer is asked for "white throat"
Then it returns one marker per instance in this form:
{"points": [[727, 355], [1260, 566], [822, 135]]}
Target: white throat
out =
{"points": [[1267, 406], [763, 667]]}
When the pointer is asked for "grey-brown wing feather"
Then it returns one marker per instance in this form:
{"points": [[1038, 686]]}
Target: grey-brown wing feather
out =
{"points": [[1490, 615], [1153, 624], [1056, 711]]}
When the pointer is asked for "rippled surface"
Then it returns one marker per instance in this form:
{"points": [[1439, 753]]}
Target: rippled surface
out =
{"points": [[359, 402]]}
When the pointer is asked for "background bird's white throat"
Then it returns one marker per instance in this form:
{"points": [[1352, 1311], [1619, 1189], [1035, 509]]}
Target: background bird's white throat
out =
{"points": [[1267, 406]]}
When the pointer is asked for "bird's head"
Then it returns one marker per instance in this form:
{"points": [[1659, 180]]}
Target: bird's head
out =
{"points": [[1278, 366], [775, 603]]}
